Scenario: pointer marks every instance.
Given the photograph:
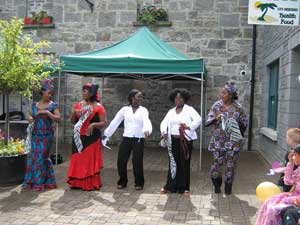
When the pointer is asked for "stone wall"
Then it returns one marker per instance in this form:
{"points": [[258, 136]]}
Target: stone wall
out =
{"points": [[216, 30], [283, 44]]}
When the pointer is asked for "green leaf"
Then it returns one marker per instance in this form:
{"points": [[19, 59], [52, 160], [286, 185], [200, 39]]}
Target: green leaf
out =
{"points": [[22, 65]]}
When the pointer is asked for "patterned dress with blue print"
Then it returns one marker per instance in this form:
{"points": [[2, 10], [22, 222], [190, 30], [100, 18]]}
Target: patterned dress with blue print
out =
{"points": [[39, 173]]}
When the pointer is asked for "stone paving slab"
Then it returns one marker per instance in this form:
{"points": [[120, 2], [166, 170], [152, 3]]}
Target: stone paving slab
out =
{"points": [[111, 206]]}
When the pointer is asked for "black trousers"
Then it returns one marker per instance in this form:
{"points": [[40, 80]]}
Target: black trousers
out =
{"points": [[136, 145], [181, 182], [290, 215]]}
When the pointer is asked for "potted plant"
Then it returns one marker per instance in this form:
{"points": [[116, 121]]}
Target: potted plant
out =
{"points": [[12, 160], [27, 20], [43, 18], [151, 15], [39, 18], [21, 70], [34, 18], [47, 20]]}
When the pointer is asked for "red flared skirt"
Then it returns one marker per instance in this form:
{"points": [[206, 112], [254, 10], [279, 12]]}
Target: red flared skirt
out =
{"points": [[84, 171]]}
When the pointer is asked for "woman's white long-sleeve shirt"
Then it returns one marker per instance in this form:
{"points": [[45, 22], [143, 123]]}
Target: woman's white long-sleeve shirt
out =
{"points": [[172, 121], [135, 124]]}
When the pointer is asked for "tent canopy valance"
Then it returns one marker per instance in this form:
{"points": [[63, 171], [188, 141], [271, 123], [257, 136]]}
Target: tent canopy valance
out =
{"points": [[141, 53]]}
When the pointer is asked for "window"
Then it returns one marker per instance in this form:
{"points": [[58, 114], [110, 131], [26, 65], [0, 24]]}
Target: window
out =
{"points": [[273, 94]]}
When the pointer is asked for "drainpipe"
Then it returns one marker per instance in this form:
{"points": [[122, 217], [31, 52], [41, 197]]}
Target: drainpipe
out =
{"points": [[26, 8], [252, 83]]}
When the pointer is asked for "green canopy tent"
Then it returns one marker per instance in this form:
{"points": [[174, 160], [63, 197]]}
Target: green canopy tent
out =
{"points": [[141, 56], [142, 53]]}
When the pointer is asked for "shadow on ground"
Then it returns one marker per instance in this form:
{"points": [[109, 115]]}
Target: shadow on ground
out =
{"points": [[128, 206]]}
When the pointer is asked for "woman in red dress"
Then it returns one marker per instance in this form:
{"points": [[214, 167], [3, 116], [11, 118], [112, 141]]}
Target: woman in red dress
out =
{"points": [[86, 161]]}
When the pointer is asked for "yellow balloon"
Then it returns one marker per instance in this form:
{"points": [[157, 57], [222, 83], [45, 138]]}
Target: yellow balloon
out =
{"points": [[267, 189]]}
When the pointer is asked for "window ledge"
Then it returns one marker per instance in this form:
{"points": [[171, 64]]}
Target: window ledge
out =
{"points": [[35, 26], [269, 133], [158, 24]]}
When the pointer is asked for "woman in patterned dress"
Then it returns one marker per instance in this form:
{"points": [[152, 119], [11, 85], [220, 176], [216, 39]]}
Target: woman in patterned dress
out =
{"points": [[224, 149], [86, 162], [39, 173]]}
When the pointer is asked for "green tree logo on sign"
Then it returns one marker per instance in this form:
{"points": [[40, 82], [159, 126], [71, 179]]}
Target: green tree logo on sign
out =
{"points": [[264, 8]]}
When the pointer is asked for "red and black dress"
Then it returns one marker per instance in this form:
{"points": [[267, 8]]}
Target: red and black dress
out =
{"points": [[86, 161]]}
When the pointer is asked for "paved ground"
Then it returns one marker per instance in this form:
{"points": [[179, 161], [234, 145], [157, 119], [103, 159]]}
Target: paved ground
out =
{"points": [[110, 206]]}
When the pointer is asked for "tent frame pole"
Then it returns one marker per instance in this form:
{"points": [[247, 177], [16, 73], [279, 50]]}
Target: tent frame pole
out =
{"points": [[101, 91], [58, 101], [201, 126]]}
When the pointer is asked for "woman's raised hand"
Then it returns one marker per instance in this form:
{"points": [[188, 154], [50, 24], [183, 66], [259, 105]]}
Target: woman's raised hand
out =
{"points": [[90, 129], [184, 126], [219, 116], [30, 119], [165, 136], [43, 111], [147, 134]]}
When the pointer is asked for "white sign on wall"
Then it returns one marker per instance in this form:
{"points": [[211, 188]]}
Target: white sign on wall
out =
{"points": [[274, 12]]}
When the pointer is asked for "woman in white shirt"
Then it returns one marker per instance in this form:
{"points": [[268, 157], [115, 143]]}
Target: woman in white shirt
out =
{"points": [[137, 127], [178, 128]]}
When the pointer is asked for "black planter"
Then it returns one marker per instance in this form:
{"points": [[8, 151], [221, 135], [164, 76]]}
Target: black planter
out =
{"points": [[12, 170]]}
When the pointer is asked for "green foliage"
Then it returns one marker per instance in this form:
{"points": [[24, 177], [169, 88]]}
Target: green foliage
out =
{"points": [[148, 19], [39, 16], [13, 148], [264, 6], [151, 15], [21, 67]]}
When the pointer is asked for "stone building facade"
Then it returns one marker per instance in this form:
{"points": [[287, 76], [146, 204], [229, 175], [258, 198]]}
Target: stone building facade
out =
{"points": [[216, 30], [281, 45]]}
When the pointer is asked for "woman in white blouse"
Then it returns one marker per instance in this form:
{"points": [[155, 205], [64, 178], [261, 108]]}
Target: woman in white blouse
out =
{"points": [[178, 128], [137, 127]]}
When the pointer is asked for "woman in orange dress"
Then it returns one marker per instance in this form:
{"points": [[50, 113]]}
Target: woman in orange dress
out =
{"points": [[86, 162]]}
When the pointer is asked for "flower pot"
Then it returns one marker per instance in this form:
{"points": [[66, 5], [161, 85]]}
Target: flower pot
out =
{"points": [[12, 169], [46, 20], [27, 20], [34, 22]]}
